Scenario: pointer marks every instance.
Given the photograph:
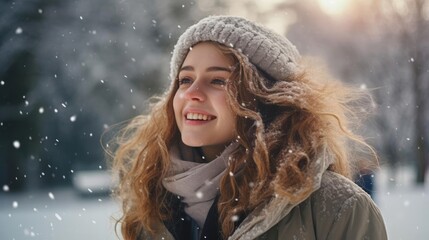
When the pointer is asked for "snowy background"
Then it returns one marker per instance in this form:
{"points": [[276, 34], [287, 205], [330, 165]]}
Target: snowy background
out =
{"points": [[71, 71]]}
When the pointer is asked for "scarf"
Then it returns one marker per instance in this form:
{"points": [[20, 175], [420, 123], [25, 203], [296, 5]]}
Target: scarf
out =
{"points": [[196, 183]]}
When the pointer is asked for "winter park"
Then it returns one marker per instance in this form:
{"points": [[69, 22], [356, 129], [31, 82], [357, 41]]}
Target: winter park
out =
{"points": [[73, 74]]}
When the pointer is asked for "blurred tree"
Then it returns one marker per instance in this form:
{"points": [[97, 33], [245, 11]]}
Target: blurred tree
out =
{"points": [[380, 45], [397, 31], [19, 32], [69, 70], [409, 21], [358, 53]]}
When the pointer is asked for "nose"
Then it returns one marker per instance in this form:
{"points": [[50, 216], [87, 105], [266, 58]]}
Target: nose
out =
{"points": [[195, 92]]}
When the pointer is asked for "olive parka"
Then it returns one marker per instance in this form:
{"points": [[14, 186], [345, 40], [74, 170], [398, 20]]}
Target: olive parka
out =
{"points": [[338, 209]]}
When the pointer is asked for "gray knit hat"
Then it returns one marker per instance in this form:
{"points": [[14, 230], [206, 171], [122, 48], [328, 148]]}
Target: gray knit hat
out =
{"points": [[266, 49]]}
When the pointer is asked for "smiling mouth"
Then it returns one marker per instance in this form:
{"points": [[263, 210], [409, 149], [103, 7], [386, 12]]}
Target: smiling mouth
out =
{"points": [[199, 117]]}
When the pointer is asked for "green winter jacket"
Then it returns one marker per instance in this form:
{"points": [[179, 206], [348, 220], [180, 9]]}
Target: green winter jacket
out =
{"points": [[338, 209]]}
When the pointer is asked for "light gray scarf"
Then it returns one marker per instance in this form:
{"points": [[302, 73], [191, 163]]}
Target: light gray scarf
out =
{"points": [[197, 183]]}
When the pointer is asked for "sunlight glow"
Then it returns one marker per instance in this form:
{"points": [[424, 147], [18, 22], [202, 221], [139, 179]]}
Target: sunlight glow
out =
{"points": [[334, 7], [264, 12]]}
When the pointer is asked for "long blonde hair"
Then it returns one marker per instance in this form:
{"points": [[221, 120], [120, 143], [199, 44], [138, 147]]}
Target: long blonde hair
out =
{"points": [[282, 126]]}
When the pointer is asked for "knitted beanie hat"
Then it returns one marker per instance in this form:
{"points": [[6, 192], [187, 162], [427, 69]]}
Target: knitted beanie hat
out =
{"points": [[264, 48]]}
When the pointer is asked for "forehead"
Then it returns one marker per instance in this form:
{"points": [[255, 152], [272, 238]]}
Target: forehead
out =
{"points": [[206, 54]]}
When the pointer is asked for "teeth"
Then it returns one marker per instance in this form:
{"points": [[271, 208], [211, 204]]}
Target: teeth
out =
{"points": [[198, 116]]}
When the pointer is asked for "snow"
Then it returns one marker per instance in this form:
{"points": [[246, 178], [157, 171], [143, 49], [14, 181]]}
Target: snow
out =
{"points": [[73, 118], [18, 30], [16, 144], [58, 216], [51, 196], [235, 218], [199, 195], [70, 215], [403, 205]]}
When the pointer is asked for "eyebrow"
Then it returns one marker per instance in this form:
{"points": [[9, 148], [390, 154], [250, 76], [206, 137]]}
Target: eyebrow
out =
{"points": [[209, 69]]}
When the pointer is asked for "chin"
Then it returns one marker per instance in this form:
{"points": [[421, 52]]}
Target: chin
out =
{"points": [[193, 143]]}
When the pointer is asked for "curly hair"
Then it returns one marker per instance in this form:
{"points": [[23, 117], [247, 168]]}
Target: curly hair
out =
{"points": [[284, 126]]}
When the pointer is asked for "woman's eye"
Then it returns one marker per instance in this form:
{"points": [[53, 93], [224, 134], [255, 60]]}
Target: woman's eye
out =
{"points": [[220, 82], [184, 81]]}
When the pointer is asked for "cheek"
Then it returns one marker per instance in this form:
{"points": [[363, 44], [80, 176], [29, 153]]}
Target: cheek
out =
{"points": [[229, 114]]}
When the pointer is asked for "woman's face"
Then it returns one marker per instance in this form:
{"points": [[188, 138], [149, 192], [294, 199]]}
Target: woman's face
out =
{"points": [[200, 104]]}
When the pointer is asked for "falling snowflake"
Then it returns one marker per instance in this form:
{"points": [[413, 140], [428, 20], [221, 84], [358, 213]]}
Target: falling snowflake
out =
{"points": [[406, 203], [58, 216], [18, 30], [16, 144], [51, 196]]}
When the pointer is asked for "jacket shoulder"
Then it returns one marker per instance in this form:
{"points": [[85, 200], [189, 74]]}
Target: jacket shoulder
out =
{"points": [[343, 210], [339, 209], [335, 190]]}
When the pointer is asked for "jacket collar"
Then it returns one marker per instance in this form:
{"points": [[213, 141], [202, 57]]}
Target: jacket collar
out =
{"points": [[266, 216]]}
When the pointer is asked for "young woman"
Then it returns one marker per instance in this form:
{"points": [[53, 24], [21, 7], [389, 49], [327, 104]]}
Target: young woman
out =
{"points": [[247, 143]]}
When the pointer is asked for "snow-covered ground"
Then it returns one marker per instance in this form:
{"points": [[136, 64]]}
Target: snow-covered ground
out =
{"points": [[62, 214], [405, 207]]}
